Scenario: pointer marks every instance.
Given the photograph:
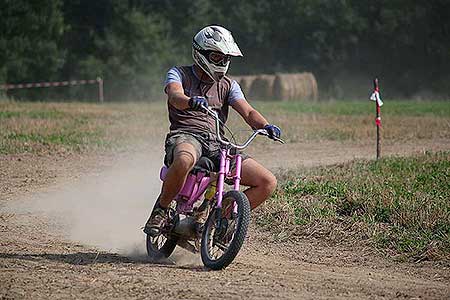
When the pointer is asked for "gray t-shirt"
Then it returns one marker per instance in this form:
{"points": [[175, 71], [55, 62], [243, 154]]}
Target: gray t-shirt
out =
{"points": [[219, 96], [174, 75]]}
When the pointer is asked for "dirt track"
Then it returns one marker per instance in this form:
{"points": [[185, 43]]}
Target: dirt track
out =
{"points": [[40, 259]]}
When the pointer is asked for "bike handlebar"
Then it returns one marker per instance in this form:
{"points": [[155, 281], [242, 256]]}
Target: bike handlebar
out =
{"points": [[214, 114]]}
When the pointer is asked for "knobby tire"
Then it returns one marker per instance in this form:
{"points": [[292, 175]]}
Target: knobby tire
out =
{"points": [[242, 222]]}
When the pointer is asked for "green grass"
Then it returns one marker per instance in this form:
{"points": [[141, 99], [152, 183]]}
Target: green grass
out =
{"points": [[399, 204], [363, 107]]}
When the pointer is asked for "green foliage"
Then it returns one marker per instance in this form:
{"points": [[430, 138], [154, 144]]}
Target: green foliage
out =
{"points": [[30, 43], [131, 43], [132, 55], [408, 198]]}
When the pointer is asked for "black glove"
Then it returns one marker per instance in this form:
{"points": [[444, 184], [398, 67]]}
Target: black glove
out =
{"points": [[197, 102], [273, 131]]}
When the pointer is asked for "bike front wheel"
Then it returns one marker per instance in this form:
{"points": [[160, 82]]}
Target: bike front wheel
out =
{"points": [[222, 239]]}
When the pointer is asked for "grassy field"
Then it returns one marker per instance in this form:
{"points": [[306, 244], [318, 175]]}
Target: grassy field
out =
{"points": [[400, 205], [354, 121], [49, 128], [64, 127]]}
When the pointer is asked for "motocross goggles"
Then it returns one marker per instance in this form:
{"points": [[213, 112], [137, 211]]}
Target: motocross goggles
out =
{"points": [[216, 58]]}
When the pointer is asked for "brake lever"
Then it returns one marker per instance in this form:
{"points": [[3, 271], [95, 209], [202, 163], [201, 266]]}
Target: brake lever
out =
{"points": [[271, 137], [278, 140], [208, 110]]}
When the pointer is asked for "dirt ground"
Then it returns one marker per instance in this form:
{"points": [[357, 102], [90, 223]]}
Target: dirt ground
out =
{"points": [[64, 233]]}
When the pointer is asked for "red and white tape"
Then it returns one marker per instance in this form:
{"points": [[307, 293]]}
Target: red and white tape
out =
{"points": [[48, 84]]}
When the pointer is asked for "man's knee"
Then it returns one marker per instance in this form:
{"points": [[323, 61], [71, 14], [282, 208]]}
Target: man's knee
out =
{"points": [[269, 182], [255, 175], [184, 160]]}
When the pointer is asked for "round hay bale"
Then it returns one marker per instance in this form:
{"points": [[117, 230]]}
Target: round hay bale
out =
{"points": [[298, 86], [301, 85], [308, 85], [246, 82], [283, 87], [237, 78], [314, 88], [262, 87]]}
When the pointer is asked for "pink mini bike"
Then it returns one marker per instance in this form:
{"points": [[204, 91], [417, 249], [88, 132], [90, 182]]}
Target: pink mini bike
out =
{"points": [[203, 216]]}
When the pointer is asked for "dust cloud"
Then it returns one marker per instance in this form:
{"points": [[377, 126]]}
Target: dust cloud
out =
{"points": [[105, 209]]}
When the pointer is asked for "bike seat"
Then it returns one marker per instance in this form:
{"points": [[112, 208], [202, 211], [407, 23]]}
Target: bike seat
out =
{"points": [[205, 165]]}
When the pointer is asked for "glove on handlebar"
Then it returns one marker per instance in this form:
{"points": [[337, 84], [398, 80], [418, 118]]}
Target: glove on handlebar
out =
{"points": [[197, 102], [273, 131]]}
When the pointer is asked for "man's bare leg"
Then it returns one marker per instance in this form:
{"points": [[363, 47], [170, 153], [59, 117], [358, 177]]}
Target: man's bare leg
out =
{"points": [[184, 158], [261, 182]]}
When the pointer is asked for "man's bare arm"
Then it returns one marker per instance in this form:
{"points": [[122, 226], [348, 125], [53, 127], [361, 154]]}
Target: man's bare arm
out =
{"points": [[251, 116], [176, 96]]}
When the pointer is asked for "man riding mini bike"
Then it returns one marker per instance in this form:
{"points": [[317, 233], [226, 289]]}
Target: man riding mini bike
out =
{"points": [[196, 137]]}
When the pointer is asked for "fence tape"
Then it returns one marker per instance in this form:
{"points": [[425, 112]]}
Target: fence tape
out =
{"points": [[48, 84]]}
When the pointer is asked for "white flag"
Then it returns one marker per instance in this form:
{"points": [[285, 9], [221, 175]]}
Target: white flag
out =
{"points": [[376, 97]]}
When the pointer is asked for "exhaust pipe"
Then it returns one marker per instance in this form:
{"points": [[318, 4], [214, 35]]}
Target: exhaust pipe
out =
{"points": [[185, 228]]}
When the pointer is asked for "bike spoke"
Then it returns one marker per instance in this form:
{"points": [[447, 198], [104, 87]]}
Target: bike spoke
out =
{"points": [[221, 246], [218, 247], [160, 241], [217, 253], [214, 251]]}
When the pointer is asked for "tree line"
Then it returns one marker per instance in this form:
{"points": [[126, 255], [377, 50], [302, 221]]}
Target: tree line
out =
{"points": [[131, 43]]}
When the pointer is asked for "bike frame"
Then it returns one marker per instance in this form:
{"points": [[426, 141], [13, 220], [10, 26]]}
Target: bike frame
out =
{"points": [[224, 171], [196, 184]]}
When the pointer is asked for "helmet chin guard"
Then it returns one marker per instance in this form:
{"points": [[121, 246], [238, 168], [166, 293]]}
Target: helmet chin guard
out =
{"points": [[211, 42]]}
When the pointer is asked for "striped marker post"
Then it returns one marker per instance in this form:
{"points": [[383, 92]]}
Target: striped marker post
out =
{"points": [[98, 81], [378, 103]]}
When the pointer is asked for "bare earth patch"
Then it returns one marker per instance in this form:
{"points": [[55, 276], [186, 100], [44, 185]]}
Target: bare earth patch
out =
{"points": [[45, 257]]}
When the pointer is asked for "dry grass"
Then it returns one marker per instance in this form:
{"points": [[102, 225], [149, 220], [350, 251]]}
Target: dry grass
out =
{"points": [[65, 127], [56, 127], [354, 121]]}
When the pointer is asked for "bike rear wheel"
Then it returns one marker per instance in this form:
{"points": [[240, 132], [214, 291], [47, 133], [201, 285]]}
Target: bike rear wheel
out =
{"points": [[162, 245], [220, 246]]}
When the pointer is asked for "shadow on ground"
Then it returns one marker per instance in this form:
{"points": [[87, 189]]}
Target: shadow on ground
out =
{"points": [[91, 258]]}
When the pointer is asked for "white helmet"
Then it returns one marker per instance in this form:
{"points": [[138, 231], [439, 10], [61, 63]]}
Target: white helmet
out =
{"points": [[211, 50]]}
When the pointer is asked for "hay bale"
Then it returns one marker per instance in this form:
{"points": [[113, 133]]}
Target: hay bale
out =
{"points": [[237, 78], [262, 87], [282, 87], [298, 86], [246, 82], [314, 88]]}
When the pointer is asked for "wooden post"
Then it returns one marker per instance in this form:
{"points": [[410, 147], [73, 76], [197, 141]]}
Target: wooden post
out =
{"points": [[100, 89], [378, 118]]}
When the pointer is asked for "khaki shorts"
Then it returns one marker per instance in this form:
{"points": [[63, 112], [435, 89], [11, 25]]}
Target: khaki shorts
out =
{"points": [[205, 146]]}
